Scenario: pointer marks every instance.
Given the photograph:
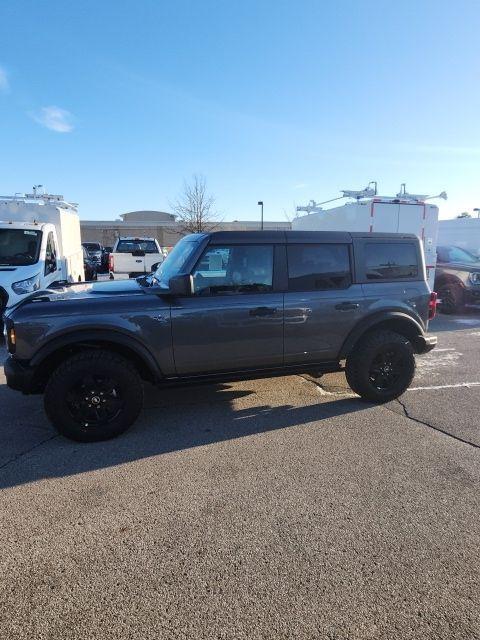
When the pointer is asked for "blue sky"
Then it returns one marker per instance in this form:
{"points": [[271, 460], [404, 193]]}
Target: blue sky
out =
{"points": [[115, 103]]}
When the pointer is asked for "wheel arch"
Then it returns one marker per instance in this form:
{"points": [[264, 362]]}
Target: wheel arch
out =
{"points": [[396, 321], [46, 360], [446, 279]]}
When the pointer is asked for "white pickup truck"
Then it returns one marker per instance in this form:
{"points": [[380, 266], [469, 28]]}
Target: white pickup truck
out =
{"points": [[134, 257]]}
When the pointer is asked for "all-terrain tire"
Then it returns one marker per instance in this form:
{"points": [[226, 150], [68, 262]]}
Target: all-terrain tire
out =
{"points": [[451, 297], [361, 363], [101, 365]]}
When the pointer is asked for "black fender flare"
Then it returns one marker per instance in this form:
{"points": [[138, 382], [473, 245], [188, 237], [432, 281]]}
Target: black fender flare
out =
{"points": [[412, 326], [77, 337]]}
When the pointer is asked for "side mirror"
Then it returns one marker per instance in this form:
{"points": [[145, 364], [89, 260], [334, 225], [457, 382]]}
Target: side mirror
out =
{"points": [[181, 285]]}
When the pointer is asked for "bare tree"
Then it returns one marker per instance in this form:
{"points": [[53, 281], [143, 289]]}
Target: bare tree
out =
{"points": [[194, 207]]}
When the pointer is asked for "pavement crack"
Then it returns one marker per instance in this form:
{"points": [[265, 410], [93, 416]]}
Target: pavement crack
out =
{"points": [[432, 426], [27, 451]]}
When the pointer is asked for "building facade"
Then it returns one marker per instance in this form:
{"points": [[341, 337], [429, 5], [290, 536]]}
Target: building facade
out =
{"points": [[159, 225]]}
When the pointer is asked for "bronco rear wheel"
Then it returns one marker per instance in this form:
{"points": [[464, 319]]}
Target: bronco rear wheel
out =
{"points": [[94, 395], [381, 367]]}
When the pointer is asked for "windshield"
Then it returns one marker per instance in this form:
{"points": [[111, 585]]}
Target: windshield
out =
{"points": [[455, 254], [19, 247], [128, 246], [175, 261], [92, 246]]}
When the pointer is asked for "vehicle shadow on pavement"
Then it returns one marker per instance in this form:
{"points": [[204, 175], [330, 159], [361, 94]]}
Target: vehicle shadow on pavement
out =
{"points": [[173, 420]]}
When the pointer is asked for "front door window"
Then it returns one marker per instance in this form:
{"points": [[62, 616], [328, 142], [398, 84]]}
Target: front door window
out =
{"points": [[237, 269]]}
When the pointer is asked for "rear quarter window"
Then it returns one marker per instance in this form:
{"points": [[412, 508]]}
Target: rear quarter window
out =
{"points": [[391, 261]]}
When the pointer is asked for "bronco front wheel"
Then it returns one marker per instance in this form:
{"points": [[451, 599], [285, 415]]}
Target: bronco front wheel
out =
{"points": [[94, 395]]}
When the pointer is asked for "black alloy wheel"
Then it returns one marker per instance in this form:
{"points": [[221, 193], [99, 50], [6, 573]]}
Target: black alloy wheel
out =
{"points": [[387, 368], [95, 401]]}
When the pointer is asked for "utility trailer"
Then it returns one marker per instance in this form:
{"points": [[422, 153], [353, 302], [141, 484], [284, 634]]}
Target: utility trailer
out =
{"points": [[368, 212]]}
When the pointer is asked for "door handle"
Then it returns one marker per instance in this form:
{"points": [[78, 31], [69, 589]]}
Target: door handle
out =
{"points": [[347, 306], [263, 311]]}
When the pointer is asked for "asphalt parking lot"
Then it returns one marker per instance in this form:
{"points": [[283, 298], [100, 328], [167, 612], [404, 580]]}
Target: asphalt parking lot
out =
{"points": [[282, 508]]}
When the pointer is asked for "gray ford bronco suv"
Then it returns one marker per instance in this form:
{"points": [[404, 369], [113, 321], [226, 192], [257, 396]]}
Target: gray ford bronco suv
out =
{"points": [[225, 305]]}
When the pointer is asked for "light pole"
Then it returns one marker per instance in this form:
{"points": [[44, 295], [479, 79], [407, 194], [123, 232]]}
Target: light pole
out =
{"points": [[261, 224], [478, 212]]}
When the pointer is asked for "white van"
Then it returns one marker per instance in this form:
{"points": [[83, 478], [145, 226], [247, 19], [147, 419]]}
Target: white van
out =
{"points": [[403, 213], [40, 245]]}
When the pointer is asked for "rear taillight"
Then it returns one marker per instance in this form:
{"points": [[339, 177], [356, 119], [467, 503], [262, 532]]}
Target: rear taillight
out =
{"points": [[111, 263], [432, 305]]}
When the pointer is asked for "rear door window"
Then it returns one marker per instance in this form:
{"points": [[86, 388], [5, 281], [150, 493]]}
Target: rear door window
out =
{"points": [[318, 267], [391, 261]]}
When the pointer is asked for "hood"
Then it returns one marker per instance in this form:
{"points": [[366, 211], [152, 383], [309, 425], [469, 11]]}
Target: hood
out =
{"points": [[472, 267], [87, 291]]}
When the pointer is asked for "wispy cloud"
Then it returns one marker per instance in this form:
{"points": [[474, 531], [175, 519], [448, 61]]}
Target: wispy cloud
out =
{"points": [[4, 84], [55, 119], [300, 185]]}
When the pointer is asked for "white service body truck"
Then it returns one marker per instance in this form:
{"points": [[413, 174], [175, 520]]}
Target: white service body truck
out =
{"points": [[460, 232], [40, 245], [380, 214], [134, 257]]}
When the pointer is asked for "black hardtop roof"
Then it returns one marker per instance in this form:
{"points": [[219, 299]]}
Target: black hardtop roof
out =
{"points": [[298, 237]]}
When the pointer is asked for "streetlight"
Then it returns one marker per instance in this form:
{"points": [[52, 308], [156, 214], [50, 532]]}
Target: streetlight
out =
{"points": [[478, 212], [260, 203]]}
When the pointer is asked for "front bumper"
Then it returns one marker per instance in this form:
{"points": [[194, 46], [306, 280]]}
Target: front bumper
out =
{"points": [[19, 376], [424, 344]]}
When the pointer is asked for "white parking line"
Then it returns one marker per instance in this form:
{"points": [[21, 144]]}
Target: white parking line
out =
{"points": [[446, 386], [449, 349]]}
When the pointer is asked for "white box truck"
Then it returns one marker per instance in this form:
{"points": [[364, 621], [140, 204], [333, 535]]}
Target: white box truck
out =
{"points": [[40, 245], [403, 213], [460, 232]]}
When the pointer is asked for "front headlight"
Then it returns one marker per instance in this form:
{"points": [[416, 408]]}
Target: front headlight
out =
{"points": [[474, 277], [27, 286], [10, 336]]}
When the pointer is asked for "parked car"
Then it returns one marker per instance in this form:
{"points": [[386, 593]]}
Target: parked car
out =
{"points": [[457, 279], [89, 265], [134, 257], [96, 252], [224, 306]]}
